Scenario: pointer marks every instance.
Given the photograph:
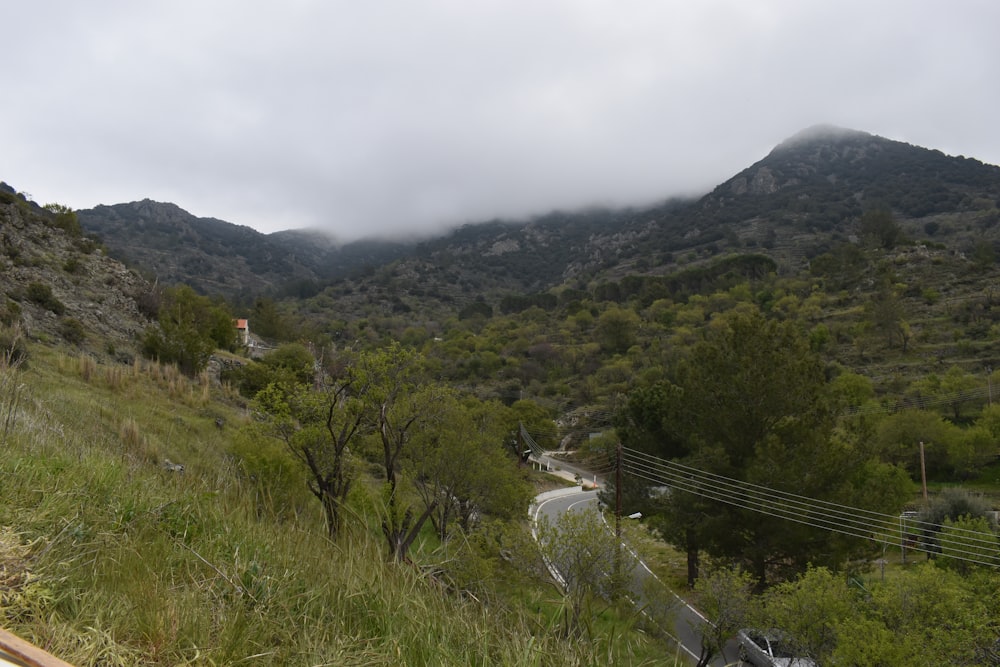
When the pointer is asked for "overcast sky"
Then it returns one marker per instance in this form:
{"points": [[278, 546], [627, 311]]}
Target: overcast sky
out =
{"points": [[370, 117]]}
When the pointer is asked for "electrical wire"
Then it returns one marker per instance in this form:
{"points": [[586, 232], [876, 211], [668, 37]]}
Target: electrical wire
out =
{"points": [[954, 541]]}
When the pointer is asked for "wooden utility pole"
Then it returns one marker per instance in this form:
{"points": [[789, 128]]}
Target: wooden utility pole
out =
{"points": [[618, 492], [519, 444], [989, 383], [923, 470], [618, 513]]}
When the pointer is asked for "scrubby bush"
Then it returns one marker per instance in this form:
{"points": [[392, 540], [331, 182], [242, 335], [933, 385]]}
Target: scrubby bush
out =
{"points": [[148, 301], [953, 503], [72, 330], [13, 349], [41, 294], [65, 218], [289, 364], [72, 265], [10, 313]]}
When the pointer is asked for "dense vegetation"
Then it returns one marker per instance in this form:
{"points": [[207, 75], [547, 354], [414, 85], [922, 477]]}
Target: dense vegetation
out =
{"points": [[112, 554], [803, 328]]}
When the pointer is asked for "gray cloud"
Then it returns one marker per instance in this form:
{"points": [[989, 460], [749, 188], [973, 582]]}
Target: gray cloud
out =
{"points": [[390, 117]]}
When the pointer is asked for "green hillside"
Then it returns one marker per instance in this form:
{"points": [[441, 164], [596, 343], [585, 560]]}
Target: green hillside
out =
{"points": [[108, 557], [145, 518], [825, 324]]}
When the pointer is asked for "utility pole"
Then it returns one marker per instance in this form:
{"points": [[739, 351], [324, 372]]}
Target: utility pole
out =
{"points": [[618, 492], [902, 539], [519, 443], [989, 383], [923, 470], [618, 513]]}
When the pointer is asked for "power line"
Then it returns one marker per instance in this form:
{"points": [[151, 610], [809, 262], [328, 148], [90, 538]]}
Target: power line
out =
{"points": [[952, 541], [977, 547]]}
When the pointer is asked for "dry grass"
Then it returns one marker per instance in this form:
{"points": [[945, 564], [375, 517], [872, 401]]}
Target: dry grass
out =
{"points": [[130, 435], [15, 561]]}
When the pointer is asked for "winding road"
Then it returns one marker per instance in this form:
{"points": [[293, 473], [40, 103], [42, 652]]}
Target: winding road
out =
{"points": [[684, 626]]}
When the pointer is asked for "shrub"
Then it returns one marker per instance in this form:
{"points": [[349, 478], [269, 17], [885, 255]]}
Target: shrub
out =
{"points": [[72, 330], [41, 294], [65, 218], [72, 265], [291, 363], [13, 349], [148, 301], [86, 245], [10, 313]]}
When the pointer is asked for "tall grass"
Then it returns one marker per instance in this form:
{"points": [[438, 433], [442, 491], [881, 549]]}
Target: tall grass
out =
{"points": [[123, 563]]}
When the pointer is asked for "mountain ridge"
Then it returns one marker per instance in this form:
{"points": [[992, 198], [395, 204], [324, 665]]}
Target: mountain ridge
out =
{"points": [[809, 191]]}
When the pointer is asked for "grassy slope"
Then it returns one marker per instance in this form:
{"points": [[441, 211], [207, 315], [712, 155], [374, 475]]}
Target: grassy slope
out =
{"points": [[109, 559]]}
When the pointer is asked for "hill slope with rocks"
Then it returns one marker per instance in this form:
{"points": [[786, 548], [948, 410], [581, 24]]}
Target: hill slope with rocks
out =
{"points": [[216, 257], [60, 285]]}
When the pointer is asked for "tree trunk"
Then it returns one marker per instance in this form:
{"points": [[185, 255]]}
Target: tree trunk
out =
{"points": [[331, 510], [692, 557]]}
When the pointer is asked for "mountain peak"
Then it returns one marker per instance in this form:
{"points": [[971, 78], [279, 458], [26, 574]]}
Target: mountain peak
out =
{"points": [[821, 133]]}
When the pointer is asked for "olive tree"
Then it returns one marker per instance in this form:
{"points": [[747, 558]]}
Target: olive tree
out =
{"points": [[460, 466], [319, 426]]}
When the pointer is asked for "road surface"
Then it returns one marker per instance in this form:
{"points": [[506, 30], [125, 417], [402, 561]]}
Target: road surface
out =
{"points": [[686, 621]]}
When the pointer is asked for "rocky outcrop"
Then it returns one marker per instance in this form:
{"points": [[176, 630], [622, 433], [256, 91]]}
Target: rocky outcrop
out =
{"points": [[61, 286]]}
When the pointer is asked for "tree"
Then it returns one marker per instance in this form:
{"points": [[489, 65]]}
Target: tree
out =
{"points": [[65, 218], [537, 420], [897, 440], [850, 390], [923, 616], [806, 609], [616, 328], [189, 327], [649, 422], [460, 467], [296, 359], [841, 267], [926, 617], [989, 419], [879, 228], [886, 313], [984, 255], [397, 405], [582, 553], [956, 388], [318, 427], [267, 321], [968, 542], [724, 596], [749, 404], [976, 448], [478, 309]]}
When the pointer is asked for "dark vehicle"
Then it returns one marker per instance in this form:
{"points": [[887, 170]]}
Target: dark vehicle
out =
{"points": [[768, 648]]}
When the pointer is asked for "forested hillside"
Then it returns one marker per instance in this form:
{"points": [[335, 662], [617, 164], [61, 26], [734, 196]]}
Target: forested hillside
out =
{"points": [[885, 253], [823, 329], [152, 515]]}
